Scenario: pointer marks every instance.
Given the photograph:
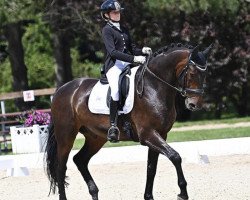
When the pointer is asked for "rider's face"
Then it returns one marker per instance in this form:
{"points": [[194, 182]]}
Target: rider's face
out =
{"points": [[115, 15]]}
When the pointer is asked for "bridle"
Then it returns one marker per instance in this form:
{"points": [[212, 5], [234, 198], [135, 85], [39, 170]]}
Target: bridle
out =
{"points": [[182, 78]]}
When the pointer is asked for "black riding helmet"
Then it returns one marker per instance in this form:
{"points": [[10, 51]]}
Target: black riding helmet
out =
{"points": [[108, 6]]}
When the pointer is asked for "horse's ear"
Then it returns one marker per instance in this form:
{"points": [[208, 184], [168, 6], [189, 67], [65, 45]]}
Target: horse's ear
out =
{"points": [[207, 51], [194, 52], [198, 57]]}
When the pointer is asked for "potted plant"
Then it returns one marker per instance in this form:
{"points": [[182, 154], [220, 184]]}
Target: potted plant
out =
{"points": [[32, 135]]}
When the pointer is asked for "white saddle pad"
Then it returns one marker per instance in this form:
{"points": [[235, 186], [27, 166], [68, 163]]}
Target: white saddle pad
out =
{"points": [[97, 99]]}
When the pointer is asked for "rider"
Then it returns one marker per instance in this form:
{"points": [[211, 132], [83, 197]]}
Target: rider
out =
{"points": [[120, 52]]}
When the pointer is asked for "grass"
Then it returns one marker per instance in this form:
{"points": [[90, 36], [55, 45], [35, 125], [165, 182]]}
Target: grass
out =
{"points": [[196, 135], [181, 136], [214, 121], [7, 151]]}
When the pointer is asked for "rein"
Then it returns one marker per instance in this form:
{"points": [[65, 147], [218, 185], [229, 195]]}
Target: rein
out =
{"points": [[183, 91], [152, 73], [141, 77]]}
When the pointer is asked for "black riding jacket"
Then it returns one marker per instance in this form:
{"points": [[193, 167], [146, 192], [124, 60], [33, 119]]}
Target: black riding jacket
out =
{"points": [[118, 45]]}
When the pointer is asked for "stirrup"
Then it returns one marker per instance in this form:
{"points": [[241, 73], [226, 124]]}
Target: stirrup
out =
{"points": [[113, 134]]}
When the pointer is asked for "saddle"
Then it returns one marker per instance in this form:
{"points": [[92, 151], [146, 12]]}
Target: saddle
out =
{"points": [[98, 102], [124, 83]]}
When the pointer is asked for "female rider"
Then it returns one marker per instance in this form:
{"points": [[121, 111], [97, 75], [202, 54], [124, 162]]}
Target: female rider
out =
{"points": [[120, 52]]}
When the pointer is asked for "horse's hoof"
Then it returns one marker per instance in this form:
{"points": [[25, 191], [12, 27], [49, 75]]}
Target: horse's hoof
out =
{"points": [[95, 198], [151, 198], [148, 197], [181, 198]]}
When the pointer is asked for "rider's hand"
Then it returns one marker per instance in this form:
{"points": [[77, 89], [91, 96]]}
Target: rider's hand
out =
{"points": [[140, 59], [147, 50]]}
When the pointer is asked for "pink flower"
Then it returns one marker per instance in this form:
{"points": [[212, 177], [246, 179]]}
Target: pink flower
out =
{"points": [[32, 117]]}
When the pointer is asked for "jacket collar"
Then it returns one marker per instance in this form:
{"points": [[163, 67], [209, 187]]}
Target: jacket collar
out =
{"points": [[114, 27]]}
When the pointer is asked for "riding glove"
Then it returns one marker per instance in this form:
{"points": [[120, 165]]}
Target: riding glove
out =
{"points": [[147, 50], [140, 59]]}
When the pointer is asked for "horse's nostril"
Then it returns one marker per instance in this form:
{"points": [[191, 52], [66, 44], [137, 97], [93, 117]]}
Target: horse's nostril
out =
{"points": [[192, 105]]}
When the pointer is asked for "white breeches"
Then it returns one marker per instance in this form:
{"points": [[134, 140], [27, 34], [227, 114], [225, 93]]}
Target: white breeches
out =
{"points": [[113, 78]]}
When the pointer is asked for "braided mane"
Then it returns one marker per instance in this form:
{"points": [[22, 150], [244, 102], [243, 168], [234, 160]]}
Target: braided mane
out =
{"points": [[171, 47]]}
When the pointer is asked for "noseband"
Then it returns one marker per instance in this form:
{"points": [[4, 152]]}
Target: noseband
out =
{"points": [[184, 91]]}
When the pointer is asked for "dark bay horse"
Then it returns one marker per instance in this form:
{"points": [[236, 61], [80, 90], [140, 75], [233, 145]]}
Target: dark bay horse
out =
{"points": [[170, 70]]}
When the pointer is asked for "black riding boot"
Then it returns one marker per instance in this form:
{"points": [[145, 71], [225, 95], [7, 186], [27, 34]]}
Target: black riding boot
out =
{"points": [[113, 132]]}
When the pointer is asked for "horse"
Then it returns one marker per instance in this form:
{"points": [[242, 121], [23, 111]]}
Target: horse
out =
{"points": [[171, 69]]}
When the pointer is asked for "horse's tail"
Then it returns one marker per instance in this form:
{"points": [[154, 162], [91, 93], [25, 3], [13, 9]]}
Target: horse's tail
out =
{"points": [[51, 161]]}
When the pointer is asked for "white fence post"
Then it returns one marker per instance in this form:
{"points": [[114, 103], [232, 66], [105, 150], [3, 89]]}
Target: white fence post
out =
{"points": [[13, 138], [3, 125]]}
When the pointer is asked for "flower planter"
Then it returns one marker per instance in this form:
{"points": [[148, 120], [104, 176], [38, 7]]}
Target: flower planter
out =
{"points": [[29, 139]]}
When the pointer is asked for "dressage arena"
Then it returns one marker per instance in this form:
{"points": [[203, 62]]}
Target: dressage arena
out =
{"points": [[225, 177]]}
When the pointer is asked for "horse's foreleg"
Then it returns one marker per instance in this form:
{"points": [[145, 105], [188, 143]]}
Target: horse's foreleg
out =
{"points": [[81, 159], [151, 170], [156, 143]]}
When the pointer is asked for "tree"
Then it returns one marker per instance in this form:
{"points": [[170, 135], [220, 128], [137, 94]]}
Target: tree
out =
{"points": [[3, 52], [13, 19], [75, 35], [224, 23], [69, 20]]}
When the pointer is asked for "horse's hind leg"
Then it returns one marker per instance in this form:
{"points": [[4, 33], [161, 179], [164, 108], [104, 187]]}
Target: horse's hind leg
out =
{"points": [[91, 146], [64, 146], [61, 171]]}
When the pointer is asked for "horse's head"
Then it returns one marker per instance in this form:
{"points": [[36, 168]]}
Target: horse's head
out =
{"points": [[185, 65], [191, 78]]}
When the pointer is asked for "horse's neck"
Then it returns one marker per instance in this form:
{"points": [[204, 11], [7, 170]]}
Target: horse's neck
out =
{"points": [[168, 66], [156, 90], [164, 69]]}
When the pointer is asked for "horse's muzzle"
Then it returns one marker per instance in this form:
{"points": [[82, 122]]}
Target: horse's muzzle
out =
{"points": [[193, 103]]}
